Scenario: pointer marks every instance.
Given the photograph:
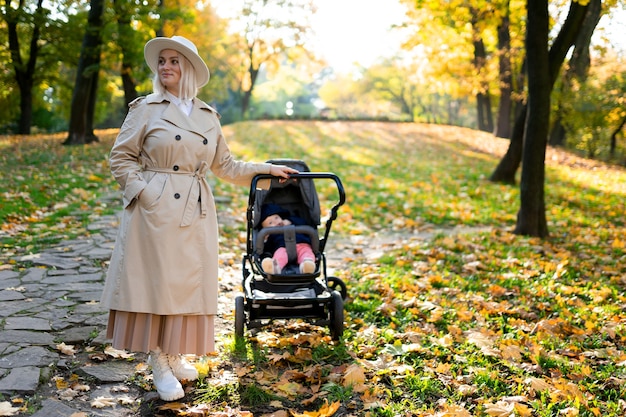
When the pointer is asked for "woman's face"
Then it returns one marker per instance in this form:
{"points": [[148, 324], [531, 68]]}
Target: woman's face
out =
{"points": [[169, 70]]}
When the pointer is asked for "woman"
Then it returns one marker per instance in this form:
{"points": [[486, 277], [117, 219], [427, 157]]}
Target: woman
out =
{"points": [[162, 282]]}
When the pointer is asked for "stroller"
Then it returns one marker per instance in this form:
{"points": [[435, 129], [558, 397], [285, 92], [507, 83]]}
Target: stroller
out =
{"points": [[291, 294]]}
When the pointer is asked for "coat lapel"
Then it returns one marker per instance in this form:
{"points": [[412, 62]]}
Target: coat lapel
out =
{"points": [[175, 116]]}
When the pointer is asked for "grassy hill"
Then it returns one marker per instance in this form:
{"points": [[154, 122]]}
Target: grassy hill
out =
{"points": [[482, 323]]}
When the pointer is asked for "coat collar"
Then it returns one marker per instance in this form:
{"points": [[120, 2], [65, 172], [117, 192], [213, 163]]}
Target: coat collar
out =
{"points": [[175, 115]]}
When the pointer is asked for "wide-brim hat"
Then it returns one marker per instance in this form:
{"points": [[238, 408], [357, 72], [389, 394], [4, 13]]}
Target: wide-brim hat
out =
{"points": [[183, 45]]}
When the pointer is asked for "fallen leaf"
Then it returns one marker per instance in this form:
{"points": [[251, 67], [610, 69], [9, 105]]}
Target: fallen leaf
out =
{"points": [[326, 410], [68, 394], [101, 402], [6, 409], [66, 349], [81, 387], [118, 354], [354, 376], [500, 409], [125, 400]]}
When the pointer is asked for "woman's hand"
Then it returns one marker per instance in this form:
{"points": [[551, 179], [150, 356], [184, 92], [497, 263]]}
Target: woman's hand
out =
{"points": [[282, 171]]}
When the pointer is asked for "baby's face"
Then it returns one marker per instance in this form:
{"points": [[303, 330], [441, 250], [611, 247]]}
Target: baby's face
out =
{"points": [[273, 221]]}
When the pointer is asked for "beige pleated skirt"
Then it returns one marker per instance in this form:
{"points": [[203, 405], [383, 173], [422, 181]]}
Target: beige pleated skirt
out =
{"points": [[178, 334]]}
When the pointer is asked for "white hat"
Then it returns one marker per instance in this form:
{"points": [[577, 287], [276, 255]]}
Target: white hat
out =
{"points": [[154, 47]]}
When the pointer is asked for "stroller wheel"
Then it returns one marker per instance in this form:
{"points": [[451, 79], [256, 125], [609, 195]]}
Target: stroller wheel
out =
{"points": [[336, 315], [240, 317], [337, 284]]}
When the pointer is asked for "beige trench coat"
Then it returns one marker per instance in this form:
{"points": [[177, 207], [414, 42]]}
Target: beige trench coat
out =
{"points": [[165, 259]]}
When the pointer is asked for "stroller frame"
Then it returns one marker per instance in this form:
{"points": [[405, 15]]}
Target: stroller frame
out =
{"points": [[315, 297]]}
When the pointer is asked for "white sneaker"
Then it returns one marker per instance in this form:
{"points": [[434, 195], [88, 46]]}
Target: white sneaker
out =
{"points": [[165, 382], [307, 267], [181, 368]]}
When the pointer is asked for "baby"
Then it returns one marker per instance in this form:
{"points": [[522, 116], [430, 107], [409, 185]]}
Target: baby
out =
{"points": [[273, 215]]}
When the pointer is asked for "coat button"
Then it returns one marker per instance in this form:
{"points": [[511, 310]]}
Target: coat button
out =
{"points": [[177, 137], [205, 141], [177, 196], [175, 168]]}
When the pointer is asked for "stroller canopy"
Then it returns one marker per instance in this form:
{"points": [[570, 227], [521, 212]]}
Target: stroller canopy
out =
{"points": [[297, 195]]}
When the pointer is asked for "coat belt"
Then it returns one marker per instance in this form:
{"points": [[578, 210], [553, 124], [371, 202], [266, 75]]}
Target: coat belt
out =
{"points": [[194, 196]]}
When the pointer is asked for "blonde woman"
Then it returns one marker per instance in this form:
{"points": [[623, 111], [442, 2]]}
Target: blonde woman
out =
{"points": [[161, 286]]}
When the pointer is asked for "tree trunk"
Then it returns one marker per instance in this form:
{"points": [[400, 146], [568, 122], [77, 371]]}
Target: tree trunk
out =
{"points": [[579, 64], [83, 100], [126, 41], [503, 124], [24, 72], [613, 145], [483, 102], [506, 169], [247, 94], [531, 218]]}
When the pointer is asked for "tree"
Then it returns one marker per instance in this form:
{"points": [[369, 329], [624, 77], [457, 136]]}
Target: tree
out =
{"points": [[507, 167], [459, 40], [84, 98], [395, 82], [272, 30], [578, 66], [126, 42], [505, 75], [24, 69], [483, 96], [531, 218]]}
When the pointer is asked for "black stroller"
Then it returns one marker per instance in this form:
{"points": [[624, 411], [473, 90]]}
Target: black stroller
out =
{"points": [[291, 294]]}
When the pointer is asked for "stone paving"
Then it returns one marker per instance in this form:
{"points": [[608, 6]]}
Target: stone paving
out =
{"points": [[53, 301]]}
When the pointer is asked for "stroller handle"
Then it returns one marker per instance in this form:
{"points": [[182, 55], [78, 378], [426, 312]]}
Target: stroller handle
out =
{"points": [[312, 175]]}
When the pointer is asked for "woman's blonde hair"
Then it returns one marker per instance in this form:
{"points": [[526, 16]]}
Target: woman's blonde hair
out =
{"points": [[187, 87]]}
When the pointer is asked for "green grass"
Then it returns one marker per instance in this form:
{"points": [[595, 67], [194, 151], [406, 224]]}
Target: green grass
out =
{"points": [[50, 192], [472, 321]]}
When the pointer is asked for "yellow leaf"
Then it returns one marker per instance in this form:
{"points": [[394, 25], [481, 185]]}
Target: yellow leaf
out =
{"points": [[327, 410], [523, 410], [61, 383], [454, 410], [617, 244], [289, 388]]}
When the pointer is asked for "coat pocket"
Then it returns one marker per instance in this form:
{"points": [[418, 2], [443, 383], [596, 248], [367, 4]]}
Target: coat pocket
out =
{"points": [[153, 191]]}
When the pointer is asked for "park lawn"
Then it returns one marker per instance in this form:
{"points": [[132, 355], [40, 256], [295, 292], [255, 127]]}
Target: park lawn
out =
{"points": [[474, 321]]}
